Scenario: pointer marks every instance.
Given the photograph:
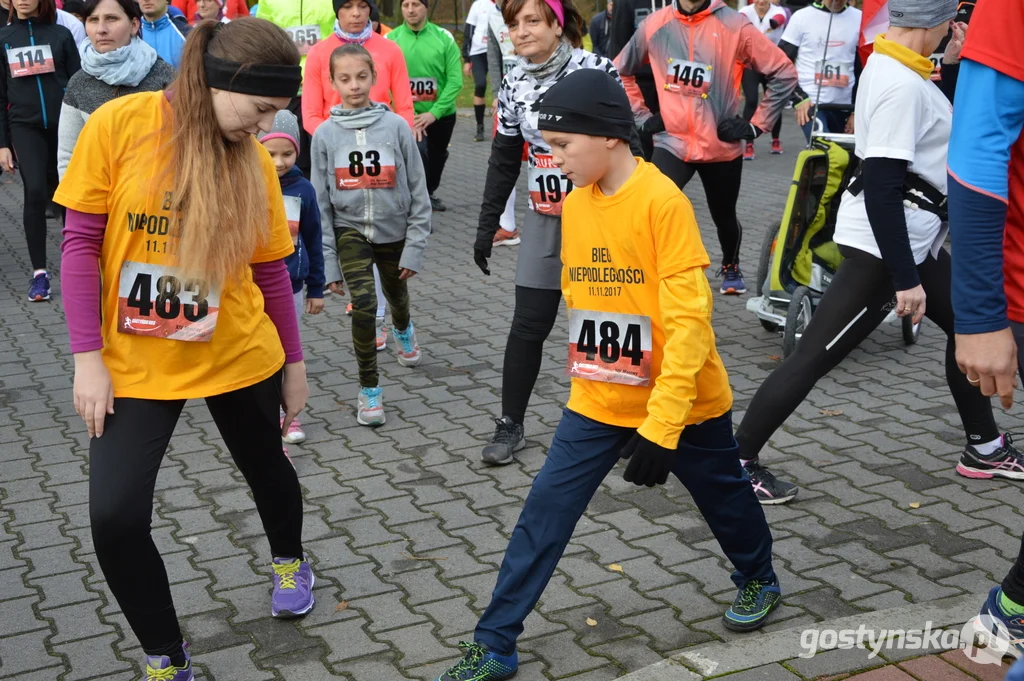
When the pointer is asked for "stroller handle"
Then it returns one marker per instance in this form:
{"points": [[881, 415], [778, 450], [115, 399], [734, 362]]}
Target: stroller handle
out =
{"points": [[840, 108]]}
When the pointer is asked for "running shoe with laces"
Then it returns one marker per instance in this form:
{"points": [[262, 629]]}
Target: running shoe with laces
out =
{"points": [[437, 205], [480, 664], [382, 335], [160, 668], [408, 349], [748, 152], [479, 137], [776, 147], [507, 439], [769, 489], [992, 614], [732, 280], [752, 605], [293, 588], [39, 288], [503, 237], [1005, 462], [295, 434], [371, 407]]}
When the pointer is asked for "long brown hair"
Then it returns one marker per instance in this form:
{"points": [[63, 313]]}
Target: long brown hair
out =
{"points": [[47, 13], [220, 188], [572, 29]]}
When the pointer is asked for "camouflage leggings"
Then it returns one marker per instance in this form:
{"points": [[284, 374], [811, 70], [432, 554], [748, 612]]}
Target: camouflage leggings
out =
{"points": [[357, 256]]}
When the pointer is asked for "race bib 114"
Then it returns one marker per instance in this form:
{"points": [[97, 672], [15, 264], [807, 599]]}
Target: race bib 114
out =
{"points": [[548, 186], [366, 167], [30, 61], [609, 347], [157, 301]]}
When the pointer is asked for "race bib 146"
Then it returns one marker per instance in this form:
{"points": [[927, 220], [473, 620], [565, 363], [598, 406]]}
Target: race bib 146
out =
{"points": [[609, 347], [157, 301], [688, 78]]}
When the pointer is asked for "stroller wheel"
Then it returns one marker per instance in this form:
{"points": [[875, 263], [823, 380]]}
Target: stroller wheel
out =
{"points": [[801, 308], [911, 331], [764, 266]]}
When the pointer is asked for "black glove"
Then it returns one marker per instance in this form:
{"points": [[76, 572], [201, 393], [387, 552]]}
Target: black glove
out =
{"points": [[652, 125], [736, 129], [649, 464], [481, 252]]}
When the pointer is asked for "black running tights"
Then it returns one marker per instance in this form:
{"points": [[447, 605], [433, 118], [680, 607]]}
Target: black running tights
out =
{"points": [[721, 187], [123, 466], [534, 317], [856, 302], [36, 149]]}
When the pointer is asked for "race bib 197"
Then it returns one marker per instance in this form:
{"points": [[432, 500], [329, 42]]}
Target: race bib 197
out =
{"points": [[293, 213], [304, 37], [30, 61], [507, 64], [832, 74], [688, 78], [157, 301], [609, 347], [423, 89], [548, 186], [366, 167]]}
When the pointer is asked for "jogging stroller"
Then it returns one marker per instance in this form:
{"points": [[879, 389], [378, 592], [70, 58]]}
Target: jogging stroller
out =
{"points": [[798, 255]]}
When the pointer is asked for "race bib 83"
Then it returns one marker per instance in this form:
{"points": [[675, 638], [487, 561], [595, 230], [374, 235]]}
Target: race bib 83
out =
{"points": [[370, 166], [609, 347]]}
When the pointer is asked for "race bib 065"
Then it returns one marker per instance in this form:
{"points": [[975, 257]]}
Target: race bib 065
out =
{"points": [[609, 347], [548, 186], [304, 37], [366, 167], [30, 61], [157, 301], [423, 89], [688, 78]]}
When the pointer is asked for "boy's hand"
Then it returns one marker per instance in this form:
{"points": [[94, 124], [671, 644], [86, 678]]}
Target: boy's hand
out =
{"points": [[337, 287], [649, 464], [406, 273], [314, 305]]}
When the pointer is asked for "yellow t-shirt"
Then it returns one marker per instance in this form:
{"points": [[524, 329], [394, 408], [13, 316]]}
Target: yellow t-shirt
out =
{"points": [[120, 168], [633, 270]]}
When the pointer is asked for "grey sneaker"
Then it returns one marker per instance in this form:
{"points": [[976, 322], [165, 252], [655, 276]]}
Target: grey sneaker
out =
{"points": [[371, 407], [408, 349], [507, 439]]}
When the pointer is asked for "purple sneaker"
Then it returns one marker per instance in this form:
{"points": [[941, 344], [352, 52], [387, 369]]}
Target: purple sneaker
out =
{"points": [[159, 668], [293, 588]]}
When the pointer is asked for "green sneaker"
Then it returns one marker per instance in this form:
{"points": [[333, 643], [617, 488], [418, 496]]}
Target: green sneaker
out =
{"points": [[480, 664], [752, 605]]}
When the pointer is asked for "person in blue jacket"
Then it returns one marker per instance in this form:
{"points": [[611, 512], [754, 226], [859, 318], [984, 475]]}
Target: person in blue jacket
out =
{"points": [[162, 32], [306, 264]]}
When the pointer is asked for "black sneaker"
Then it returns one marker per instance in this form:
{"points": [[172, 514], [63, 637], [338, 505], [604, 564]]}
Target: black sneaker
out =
{"points": [[1005, 462], [479, 133], [480, 664], [769, 489], [752, 605], [508, 438], [437, 205]]}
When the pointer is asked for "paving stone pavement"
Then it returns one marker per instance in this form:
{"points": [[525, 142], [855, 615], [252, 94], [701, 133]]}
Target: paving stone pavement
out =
{"points": [[407, 527]]}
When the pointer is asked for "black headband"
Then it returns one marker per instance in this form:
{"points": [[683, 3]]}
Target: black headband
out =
{"points": [[269, 80]]}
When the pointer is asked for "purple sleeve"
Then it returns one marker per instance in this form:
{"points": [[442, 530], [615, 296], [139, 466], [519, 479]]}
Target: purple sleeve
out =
{"points": [[80, 278], [276, 286]]}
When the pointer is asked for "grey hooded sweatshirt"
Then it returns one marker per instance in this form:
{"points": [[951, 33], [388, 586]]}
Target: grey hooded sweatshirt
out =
{"points": [[356, 146]]}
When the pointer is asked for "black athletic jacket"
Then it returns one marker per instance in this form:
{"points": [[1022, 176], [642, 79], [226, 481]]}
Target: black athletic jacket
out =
{"points": [[35, 100]]}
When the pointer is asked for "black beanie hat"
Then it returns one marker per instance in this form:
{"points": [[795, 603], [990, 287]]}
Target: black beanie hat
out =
{"points": [[587, 102], [373, 7]]}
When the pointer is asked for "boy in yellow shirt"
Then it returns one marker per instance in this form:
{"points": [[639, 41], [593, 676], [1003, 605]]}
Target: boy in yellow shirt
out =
{"points": [[647, 382]]}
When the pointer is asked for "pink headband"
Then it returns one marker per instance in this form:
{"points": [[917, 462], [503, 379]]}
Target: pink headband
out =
{"points": [[556, 7]]}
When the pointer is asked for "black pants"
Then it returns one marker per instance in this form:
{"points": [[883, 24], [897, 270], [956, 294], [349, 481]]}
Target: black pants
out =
{"points": [[36, 149], [856, 302], [532, 321], [752, 83], [1013, 585], [123, 466], [722, 189], [434, 150], [479, 66], [304, 161]]}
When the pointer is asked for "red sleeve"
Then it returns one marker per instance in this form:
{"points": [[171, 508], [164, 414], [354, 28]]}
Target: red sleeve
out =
{"points": [[994, 25], [237, 8], [313, 92], [400, 92]]}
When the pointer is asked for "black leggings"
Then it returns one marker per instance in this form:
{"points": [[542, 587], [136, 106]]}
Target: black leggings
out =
{"points": [[856, 302], [534, 317], [123, 466], [1013, 585], [434, 150], [36, 149], [479, 65], [721, 187], [752, 82]]}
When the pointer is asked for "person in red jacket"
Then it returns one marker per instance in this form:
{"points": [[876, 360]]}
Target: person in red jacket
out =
{"points": [[354, 26], [694, 47], [232, 9]]}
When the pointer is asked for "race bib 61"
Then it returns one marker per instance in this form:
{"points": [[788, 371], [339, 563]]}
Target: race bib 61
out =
{"points": [[832, 74], [157, 301], [609, 347], [365, 167], [30, 61]]}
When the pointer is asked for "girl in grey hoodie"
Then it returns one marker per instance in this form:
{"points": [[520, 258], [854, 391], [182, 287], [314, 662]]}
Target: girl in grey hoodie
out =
{"points": [[375, 210]]}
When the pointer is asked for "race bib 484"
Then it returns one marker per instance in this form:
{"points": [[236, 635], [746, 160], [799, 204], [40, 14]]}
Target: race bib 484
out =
{"points": [[157, 301], [609, 347]]}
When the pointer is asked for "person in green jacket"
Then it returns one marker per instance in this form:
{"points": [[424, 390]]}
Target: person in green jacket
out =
{"points": [[307, 22], [435, 79]]}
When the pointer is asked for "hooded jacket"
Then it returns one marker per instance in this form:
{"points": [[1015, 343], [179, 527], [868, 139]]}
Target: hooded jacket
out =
{"points": [[164, 36], [382, 215], [697, 62], [35, 99]]}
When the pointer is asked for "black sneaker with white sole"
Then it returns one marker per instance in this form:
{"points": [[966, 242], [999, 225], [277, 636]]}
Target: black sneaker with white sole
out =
{"points": [[769, 489], [508, 438], [1005, 462]]}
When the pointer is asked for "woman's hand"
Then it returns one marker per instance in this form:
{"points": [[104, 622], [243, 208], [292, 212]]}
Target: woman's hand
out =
{"points": [[955, 44], [467, 69], [6, 160], [314, 305], [405, 273], [850, 125], [911, 302], [294, 393], [803, 112], [990, 362], [94, 391], [337, 287]]}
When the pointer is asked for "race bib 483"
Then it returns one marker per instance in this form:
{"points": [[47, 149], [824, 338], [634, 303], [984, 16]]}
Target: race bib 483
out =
{"points": [[609, 347], [157, 301]]}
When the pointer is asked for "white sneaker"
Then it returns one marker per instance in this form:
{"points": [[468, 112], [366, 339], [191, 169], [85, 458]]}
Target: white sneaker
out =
{"points": [[408, 349], [371, 407], [382, 335]]}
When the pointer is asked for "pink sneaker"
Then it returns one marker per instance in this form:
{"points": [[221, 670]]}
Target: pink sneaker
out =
{"points": [[382, 335], [288, 456], [295, 434]]}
